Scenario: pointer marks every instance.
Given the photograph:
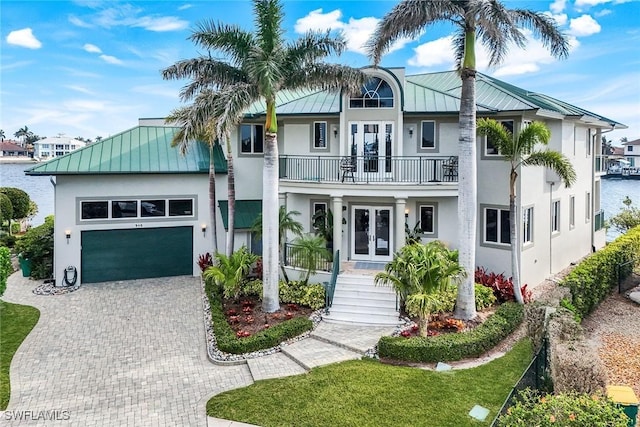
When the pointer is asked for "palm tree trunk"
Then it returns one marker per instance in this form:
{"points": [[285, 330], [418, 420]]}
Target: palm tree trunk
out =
{"points": [[423, 326], [270, 238], [212, 199], [515, 242], [231, 206], [467, 183]]}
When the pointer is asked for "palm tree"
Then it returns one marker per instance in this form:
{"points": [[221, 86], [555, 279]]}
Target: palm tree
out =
{"points": [[22, 132], [286, 224], [193, 127], [418, 273], [495, 26], [521, 151], [2, 135], [254, 67]]}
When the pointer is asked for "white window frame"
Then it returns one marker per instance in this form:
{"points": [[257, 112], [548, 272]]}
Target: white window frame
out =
{"points": [[434, 146], [434, 218], [498, 243], [315, 203], [253, 142], [555, 217], [527, 226], [316, 136], [587, 206], [572, 212]]}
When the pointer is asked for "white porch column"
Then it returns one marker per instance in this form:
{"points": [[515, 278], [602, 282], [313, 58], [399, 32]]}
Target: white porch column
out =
{"points": [[401, 205], [337, 223]]}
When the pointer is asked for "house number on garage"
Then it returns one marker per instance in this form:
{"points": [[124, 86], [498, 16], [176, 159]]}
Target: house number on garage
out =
{"points": [[139, 225]]}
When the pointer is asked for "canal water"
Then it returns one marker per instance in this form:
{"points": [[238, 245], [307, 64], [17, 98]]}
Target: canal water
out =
{"points": [[40, 190]]}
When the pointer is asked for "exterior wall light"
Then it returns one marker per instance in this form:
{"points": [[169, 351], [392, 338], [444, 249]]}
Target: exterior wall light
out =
{"points": [[67, 234], [335, 131], [406, 213], [410, 131], [204, 230]]}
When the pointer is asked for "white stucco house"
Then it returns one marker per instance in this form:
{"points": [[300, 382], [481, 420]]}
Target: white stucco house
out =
{"points": [[378, 161], [56, 146], [632, 152]]}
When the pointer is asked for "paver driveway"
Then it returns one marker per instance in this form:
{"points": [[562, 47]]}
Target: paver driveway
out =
{"points": [[117, 354]]}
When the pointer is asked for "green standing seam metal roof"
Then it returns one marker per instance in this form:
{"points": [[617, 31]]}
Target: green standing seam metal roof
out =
{"points": [[140, 150], [246, 213]]}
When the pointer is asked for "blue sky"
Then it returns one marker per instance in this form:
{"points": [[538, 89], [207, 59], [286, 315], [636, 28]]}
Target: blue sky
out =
{"points": [[89, 68]]}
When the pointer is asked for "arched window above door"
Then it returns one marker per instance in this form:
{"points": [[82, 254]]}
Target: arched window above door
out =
{"points": [[376, 93]]}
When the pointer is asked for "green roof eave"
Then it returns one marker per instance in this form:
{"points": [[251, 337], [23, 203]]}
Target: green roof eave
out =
{"points": [[246, 213]]}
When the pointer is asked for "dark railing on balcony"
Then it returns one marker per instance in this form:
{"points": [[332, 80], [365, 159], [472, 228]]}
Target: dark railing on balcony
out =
{"points": [[294, 258], [598, 222], [369, 169]]}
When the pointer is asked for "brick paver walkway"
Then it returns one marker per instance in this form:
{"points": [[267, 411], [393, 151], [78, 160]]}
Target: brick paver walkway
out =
{"points": [[117, 354]]}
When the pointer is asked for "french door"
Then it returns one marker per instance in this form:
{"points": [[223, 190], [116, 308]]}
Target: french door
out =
{"points": [[371, 233], [371, 148]]}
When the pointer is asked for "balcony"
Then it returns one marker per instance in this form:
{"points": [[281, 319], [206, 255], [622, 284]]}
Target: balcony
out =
{"points": [[423, 170]]}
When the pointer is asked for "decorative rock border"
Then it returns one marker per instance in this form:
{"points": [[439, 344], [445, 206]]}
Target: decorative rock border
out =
{"points": [[51, 289], [219, 357]]}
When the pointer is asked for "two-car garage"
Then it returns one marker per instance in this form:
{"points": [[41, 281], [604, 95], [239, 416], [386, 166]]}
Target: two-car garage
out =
{"points": [[138, 253]]}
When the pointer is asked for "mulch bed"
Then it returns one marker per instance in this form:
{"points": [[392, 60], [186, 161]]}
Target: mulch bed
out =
{"points": [[245, 316]]}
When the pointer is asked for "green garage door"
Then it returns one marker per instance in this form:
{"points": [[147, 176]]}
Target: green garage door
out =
{"points": [[136, 253]]}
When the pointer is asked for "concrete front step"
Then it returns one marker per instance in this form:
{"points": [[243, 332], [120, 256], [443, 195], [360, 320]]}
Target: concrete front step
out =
{"points": [[310, 353], [273, 366], [361, 318]]}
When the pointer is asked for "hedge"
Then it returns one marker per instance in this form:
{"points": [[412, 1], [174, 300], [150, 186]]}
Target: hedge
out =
{"points": [[592, 280], [449, 347], [5, 268], [227, 340]]}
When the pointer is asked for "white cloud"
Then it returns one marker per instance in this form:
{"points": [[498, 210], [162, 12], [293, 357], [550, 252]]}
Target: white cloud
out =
{"points": [[24, 38], [185, 6], [558, 6], [80, 89], [91, 48], [161, 24], [603, 12], [79, 22], [583, 26], [111, 59], [356, 31], [6, 67], [434, 53], [560, 18]]}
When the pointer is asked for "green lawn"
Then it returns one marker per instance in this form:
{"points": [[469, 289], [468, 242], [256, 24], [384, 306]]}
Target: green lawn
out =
{"points": [[16, 321], [368, 393]]}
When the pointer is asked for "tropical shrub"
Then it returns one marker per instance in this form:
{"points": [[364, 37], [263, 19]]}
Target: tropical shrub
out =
{"points": [[562, 410], [227, 340], [19, 201], [7, 240], [310, 252], [297, 292], [205, 261], [592, 280], [230, 272], [502, 286], [485, 297], [36, 245], [419, 273], [449, 347], [5, 268], [6, 208], [627, 218]]}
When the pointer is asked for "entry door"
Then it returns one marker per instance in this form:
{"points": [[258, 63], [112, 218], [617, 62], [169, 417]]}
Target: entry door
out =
{"points": [[372, 233], [371, 148]]}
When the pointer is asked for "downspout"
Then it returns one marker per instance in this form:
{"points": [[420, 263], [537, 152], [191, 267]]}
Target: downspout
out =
{"points": [[53, 182], [551, 228]]}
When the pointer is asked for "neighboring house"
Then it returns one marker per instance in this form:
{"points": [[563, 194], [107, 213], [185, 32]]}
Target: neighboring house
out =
{"points": [[49, 148], [11, 149], [632, 152], [380, 160]]}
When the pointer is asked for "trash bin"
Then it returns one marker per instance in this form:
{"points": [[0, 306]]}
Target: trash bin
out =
{"points": [[624, 397], [25, 266]]}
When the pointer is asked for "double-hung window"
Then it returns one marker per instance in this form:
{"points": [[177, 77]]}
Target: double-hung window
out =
{"points": [[428, 135], [555, 216], [527, 226], [428, 219], [320, 141], [251, 139], [496, 226]]}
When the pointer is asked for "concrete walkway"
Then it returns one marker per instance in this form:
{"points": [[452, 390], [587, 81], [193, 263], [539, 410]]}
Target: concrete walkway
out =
{"points": [[133, 354]]}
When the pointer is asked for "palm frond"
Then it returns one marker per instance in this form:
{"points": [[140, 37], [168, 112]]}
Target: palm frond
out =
{"points": [[231, 40], [408, 19], [555, 161], [268, 22], [544, 28], [495, 29], [311, 47], [322, 76], [501, 137]]}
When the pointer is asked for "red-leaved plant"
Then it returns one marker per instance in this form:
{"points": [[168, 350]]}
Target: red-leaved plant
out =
{"points": [[502, 287], [205, 261]]}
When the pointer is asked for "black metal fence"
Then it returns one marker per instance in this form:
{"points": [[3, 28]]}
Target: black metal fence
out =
{"points": [[536, 377], [625, 271], [293, 257], [369, 169]]}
